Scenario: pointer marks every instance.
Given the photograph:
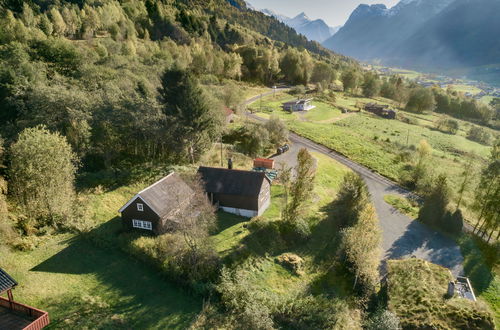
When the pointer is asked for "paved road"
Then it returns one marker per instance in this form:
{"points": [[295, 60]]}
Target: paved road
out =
{"points": [[402, 237]]}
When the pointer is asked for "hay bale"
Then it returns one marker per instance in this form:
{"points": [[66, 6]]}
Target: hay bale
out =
{"points": [[292, 262]]}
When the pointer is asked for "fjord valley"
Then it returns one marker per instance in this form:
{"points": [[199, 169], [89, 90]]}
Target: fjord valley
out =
{"points": [[445, 36], [201, 164]]}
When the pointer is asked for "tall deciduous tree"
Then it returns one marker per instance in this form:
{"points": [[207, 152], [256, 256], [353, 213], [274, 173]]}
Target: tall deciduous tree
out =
{"points": [[487, 202], [436, 203], [362, 250], [192, 121], [299, 191], [352, 198], [43, 174], [371, 85], [421, 99], [351, 80]]}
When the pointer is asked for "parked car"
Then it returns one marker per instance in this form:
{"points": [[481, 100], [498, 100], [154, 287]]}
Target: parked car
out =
{"points": [[283, 149]]}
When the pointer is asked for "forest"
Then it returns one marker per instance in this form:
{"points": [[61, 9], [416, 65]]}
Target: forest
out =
{"points": [[96, 95]]}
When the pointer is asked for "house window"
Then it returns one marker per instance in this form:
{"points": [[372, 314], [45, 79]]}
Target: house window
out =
{"points": [[140, 207], [141, 224]]}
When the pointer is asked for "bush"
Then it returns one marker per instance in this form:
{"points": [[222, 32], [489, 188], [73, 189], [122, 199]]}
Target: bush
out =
{"points": [[295, 232], [447, 125], [352, 198], [453, 223], [316, 312], [383, 320], [361, 245], [243, 300], [298, 90], [480, 135]]}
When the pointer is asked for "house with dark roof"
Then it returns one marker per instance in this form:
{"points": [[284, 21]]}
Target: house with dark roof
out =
{"points": [[160, 207], [17, 316], [245, 193]]}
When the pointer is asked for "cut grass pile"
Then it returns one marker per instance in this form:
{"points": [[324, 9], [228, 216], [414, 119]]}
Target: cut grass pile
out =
{"points": [[402, 204], [416, 293], [233, 236]]}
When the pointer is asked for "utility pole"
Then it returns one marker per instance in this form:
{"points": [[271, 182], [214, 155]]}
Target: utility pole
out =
{"points": [[221, 161], [261, 102], [408, 138]]}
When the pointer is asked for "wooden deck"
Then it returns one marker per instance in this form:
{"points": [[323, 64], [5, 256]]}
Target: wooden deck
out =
{"points": [[17, 316], [13, 320]]}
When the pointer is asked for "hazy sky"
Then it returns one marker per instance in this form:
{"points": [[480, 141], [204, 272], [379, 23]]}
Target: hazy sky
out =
{"points": [[333, 12]]}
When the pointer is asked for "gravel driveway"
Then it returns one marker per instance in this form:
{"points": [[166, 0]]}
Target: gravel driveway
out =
{"points": [[402, 236]]}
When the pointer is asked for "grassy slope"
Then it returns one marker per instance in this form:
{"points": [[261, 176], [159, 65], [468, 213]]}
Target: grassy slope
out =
{"points": [[85, 286], [377, 142], [264, 271], [415, 292]]}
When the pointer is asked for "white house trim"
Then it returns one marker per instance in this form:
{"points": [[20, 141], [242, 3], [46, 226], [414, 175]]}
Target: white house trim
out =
{"points": [[132, 200]]}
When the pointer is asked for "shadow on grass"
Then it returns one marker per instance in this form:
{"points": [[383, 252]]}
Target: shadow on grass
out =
{"points": [[133, 291], [422, 242], [226, 220], [480, 260]]}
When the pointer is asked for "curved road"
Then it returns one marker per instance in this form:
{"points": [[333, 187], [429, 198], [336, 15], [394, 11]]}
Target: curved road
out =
{"points": [[402, 237]]}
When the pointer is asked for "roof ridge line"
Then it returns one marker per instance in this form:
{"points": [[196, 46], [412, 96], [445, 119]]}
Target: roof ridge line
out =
{"points": [[154, 184]]}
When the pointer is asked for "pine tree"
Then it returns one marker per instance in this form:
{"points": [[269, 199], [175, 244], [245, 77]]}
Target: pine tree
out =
{"points": [[193, 123]]}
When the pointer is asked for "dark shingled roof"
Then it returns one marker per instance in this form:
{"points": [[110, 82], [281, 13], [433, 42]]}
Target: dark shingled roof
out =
{"points": [[232, 182], [165, 196], [6, 282]]}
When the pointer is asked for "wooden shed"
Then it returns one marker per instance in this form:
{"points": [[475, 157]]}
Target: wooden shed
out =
{"points": [[263, 163], [158, 208], [17, 316], [245, 193]]}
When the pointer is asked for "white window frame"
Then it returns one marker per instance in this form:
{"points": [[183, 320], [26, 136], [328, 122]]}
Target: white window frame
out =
{"points": [[140, 207], [141, 224]]}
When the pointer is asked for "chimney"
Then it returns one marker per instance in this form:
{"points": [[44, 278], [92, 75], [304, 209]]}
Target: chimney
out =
{"points": [[230, 163]]}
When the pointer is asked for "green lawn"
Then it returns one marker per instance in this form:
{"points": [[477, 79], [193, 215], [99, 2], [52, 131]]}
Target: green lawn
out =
{"points": [[232, 235], [322, 112], [379, 143], [82, 286], [403, 205]]}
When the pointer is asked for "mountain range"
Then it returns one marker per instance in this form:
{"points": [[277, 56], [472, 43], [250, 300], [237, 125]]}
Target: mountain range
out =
{"points": [[445, 35], [316, 30]]}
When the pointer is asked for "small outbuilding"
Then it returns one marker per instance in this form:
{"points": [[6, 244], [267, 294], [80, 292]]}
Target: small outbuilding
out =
{"points": [[159, 207], [381, 110], [298, 105], [244, 193]]}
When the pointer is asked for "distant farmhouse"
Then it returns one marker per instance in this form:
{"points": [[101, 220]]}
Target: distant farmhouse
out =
{"points": [[245, 193], [17, 316], [381, 110], [298, 105], [159, 207]]}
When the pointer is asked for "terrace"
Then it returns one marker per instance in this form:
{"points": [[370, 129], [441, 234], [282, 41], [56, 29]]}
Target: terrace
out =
{"points": [[17, 316]]}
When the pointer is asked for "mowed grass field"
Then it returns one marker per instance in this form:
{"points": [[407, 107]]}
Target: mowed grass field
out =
{"points": [[83, 285]]}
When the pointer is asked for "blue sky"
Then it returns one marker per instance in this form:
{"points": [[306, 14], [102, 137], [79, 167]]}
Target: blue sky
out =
{"points": [[333, 12]]}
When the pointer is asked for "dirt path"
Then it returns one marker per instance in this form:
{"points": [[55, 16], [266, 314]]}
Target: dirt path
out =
{"points": [[402, 237]]}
